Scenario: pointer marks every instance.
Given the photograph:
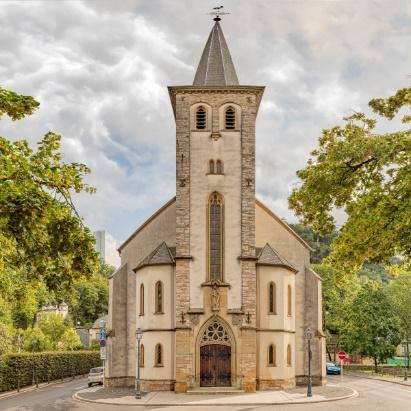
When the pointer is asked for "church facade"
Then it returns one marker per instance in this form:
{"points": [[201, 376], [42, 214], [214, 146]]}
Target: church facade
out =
{"points": [[220, 286]]}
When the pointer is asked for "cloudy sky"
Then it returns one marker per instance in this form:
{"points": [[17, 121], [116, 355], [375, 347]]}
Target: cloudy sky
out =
{"points": [[100, 71]]}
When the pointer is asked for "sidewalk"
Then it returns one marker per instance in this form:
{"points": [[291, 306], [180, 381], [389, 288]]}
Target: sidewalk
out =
{"points": [[379, 377], [125, 396]]}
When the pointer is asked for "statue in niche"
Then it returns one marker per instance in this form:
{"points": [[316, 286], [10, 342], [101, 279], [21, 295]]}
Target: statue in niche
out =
{"points": [[215, 298]]}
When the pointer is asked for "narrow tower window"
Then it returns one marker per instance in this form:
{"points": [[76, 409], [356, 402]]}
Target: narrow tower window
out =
{"points": [[158, 355], [142, 355], [289, 300], [141, 299], [271, 355], [215, 241], [159, 297], [219, 167], [201, 118], [230, 118], [211, 167], [272, 298], [289, 355]]}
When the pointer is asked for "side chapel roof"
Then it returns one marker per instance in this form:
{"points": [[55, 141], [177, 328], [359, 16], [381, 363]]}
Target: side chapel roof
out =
{"points": [[268, 256], [162, 255]]}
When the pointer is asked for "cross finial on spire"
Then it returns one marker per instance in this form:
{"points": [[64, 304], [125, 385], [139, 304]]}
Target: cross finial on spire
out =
{"points": [[217, 12]]}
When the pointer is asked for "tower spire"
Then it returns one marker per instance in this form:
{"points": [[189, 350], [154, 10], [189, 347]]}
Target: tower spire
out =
{"points": [[216, 67]]}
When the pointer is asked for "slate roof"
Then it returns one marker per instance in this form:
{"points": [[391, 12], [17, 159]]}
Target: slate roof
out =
{"points": [[216, 67], [268, 256], [160, 256]]}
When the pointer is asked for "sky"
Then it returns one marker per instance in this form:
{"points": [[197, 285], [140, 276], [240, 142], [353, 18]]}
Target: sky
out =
{"points": [[100, 70]]}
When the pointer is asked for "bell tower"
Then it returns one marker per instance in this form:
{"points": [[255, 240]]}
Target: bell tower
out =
{"points": [[215, 210]]}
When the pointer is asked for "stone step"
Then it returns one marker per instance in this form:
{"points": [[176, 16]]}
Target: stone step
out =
{"points": [[215, 390]]}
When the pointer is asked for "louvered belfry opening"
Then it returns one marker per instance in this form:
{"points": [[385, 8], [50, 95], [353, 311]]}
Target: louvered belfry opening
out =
{"points": [[215, 237], [230, 118], [201, 118]]}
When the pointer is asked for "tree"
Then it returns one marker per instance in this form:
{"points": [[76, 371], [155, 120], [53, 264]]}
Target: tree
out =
{"points": [[54, 327], [372, 329], [70, 340], [369, 176], [35, 340]]}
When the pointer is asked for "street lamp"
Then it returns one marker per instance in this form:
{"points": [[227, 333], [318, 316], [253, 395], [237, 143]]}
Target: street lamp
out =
{"points": [[309, 335], [406, 362], [139, 336]]}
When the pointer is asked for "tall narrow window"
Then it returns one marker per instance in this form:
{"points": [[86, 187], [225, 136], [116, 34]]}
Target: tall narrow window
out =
{"points": [[158, 355], [215, 241], [289, 355], [159, 297], [219, 167], [272, 290], [289, 300], [271, 355], [141, 299], [142, 355], [201, 118], [230, 118], [211, 167]]}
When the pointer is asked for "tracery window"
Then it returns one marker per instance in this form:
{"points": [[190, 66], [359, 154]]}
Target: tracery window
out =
{"points": [[158, 355], [211, 167], [271, 355], [289, 300], [289, 355], [141, 299], [272, 291], [215, 334], [215, 240], [159, 297], [142, 355], [201, 118], [230, 118], [219, 167]]}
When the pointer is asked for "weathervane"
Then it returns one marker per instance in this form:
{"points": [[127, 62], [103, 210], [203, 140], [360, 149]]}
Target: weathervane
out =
{"points": [[217, 12]]}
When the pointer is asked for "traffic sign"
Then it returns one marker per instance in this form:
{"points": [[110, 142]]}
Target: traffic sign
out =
{"points": [[342, 355], [102, 343], [103, 334], [103, 353]]}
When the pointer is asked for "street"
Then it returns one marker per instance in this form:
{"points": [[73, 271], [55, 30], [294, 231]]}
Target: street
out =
{"points": [[373, 396]]}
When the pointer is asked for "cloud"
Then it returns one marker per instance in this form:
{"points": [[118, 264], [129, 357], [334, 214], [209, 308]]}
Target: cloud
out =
{"points": [[100, 71]]}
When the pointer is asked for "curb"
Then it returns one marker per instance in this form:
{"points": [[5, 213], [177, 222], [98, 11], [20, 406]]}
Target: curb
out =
{"points": [[354, 393], [378, 379]]}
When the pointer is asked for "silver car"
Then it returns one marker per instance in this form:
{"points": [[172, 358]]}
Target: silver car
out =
{"points": [[95, 376]]}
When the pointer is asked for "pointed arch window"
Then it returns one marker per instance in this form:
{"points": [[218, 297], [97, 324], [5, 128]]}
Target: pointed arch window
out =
{"points": [[272, 297], [201, 118], [141, 299], [219, 167], [142, 355], [159, 297], [211, 165], [271, 355], [215, 237], [158, 355], [289, 355], [289, 301], [230, 118]]}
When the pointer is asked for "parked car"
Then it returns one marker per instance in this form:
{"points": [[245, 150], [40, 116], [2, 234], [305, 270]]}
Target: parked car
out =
{"points": [[95, 376], [332, 368]]}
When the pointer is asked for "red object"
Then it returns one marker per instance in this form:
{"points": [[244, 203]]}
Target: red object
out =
{"points": [[342, 355]]}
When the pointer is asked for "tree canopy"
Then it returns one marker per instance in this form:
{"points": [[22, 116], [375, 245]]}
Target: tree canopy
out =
{"points": [[369, 176]]}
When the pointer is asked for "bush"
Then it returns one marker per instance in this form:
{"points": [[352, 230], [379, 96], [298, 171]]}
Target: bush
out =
{"points": [[22, 369]]}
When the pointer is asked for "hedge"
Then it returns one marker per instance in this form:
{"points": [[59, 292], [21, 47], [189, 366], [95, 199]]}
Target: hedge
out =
{"points": [[21, 369]]}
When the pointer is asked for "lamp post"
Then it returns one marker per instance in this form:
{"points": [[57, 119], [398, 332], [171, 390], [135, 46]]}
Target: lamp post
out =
{"points": [[406, 358], [309, 335], [139, 336]]}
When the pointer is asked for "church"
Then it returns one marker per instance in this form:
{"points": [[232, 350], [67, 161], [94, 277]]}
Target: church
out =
{"points": [[220, 286]]}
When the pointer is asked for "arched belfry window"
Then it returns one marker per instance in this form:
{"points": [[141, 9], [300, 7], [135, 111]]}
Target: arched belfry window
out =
{"points": [[201, 118], [272, 291], [215, 236], [158, 355], [211, 167], [219, 167], [271, 355], [141, 299], [230, 118], [159, 297], [289, 300]]}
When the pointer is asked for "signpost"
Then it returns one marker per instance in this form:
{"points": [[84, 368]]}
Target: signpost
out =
{"points": [[342, 356], [103, 349]]}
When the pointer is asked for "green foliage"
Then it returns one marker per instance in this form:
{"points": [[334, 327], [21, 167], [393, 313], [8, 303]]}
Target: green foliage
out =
{"points": [[35, 340], [44, 366], [70, 340], [16, 106], [6, 339], [367, 174], [53, 326]]}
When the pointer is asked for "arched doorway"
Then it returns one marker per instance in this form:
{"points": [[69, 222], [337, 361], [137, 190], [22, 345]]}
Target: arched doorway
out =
{"points": [[215, 355]]}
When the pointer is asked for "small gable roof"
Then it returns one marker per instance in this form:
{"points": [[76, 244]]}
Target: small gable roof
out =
{"points": [[268, 256], [162, 255]]}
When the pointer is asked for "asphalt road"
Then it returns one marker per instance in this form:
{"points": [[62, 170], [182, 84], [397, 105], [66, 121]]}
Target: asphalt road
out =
{"points": [[373, 396]]}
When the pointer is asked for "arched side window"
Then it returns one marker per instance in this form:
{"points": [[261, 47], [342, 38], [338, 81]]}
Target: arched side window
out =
{"points": [[272, 298], [159, 297], [142, 355], [289, 355], [211, 169], [220, 167], [215, 237], [141, 299], [271, 355], [289, 301], [158, 355], [230, 118], [201, 118]]}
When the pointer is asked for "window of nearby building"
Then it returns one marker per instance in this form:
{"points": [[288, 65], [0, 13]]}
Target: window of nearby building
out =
{"points": [[159, 297], [219, 167], [142, 355], [201, 118], [271, 355], [289, 355], [215, 241], [289, 300], [158, 355], [272, 291], [230, 118], [211, 167], [141, 299]]}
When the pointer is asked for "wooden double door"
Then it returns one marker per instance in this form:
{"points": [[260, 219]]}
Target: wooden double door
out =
{"points": [[215, 365]]}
